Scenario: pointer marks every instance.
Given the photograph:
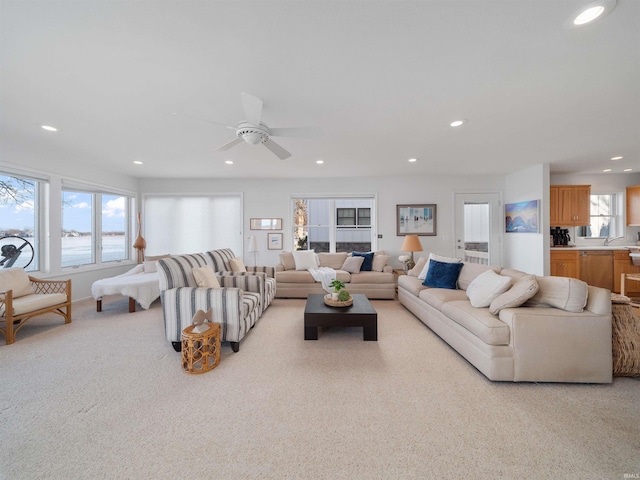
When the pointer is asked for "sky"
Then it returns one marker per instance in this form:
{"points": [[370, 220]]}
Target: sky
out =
{"points": [[76, 212]]}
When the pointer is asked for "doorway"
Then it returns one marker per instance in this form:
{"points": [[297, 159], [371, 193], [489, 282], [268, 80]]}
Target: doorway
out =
{"points": [[478, 231]]}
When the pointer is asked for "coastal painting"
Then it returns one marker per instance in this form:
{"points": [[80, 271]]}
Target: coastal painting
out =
{"points": [[416, 219], [522, 217]]}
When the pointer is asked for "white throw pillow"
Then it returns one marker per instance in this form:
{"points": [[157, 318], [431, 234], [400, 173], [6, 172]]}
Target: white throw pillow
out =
{"points": [[15, 279], [149, 266], [352, 264], [237, 265], [205, 277], [415, 271], [437, 258], [486, 287], [566, 293], [305, 259], [522, 290]]}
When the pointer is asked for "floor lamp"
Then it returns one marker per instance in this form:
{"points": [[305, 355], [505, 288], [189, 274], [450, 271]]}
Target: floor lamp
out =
{"points": [[253, 248], [411, 244]]}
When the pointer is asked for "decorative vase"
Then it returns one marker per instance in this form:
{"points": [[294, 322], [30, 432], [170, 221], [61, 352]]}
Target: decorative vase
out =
{"points": [[140, 244], [334, 296]]}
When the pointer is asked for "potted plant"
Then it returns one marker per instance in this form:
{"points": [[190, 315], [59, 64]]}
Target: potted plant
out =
{"points": [[337, 285]]}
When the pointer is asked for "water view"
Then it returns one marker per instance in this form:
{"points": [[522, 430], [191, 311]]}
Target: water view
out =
{"points": [[77, 250]]}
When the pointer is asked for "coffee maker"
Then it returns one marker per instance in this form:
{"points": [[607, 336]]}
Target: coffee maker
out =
{"points": [[560, 237]]}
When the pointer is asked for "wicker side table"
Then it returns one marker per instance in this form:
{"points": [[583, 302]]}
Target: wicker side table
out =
{"points": [[625, 338], [200, 351]]}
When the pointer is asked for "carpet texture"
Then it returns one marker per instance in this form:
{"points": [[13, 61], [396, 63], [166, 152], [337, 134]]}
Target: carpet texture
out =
{"points": [[106, 397]]}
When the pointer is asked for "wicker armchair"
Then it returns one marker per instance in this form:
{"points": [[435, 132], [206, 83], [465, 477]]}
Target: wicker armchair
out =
{"points": [[23, 297]]}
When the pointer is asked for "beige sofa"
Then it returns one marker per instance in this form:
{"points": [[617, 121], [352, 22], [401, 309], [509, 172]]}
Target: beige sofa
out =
{"points": [[380, 283], [534, 342]]}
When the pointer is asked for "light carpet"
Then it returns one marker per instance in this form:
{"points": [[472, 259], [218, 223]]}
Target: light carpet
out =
{"points": [[106, 397]]}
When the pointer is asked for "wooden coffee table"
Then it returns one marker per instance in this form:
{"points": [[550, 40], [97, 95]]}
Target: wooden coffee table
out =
{"points": [[360, 314]]}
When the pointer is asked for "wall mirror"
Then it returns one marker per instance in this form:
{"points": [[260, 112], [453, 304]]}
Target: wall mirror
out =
{"points": [[266, 224]]}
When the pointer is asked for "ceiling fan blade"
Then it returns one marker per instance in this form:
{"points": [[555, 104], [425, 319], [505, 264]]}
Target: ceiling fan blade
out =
{"points": [[280, 152], [230, 144], [300, 132], [205, 120], [252, 108]]}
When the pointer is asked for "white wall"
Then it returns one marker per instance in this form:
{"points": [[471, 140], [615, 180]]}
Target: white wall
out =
{"points": [[271, 198], [529, 252]]}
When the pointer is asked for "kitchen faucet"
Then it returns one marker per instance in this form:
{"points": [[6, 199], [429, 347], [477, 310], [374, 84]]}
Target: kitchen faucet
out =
{"points": [[609, 239]]}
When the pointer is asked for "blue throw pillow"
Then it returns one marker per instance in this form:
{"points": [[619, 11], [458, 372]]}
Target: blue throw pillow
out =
{"points": [[442, 275], [367, 264]]}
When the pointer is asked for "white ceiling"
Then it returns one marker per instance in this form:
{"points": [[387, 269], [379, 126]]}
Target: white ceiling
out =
{"points": [[382, 79]]}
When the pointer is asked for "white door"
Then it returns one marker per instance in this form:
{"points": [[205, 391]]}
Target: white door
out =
{"points": [[478, 236]]}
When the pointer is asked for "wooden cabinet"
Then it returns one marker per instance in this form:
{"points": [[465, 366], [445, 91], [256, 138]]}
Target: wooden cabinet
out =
{"points": [[622, 264], [565, 263], [633, 205], [554, 214], [569, 205]]}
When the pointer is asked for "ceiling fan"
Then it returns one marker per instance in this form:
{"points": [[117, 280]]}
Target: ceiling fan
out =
{"points": [[253, 131]]}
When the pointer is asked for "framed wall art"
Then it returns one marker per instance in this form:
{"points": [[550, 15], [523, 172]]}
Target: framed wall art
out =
{"points": [[274, 241], [522, 217], [419, 219], [265, 224]]}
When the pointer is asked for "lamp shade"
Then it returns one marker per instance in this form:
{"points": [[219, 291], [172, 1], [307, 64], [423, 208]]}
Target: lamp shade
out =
{"points": [[411, 244], [253, 244]]}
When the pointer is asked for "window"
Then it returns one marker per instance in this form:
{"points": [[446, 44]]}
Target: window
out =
{"points": [[354, 217], [605, 215], [114, 228], [77, 229], [346, 216], [19, 202], [364, 217], [333, 224], [87, 230]]}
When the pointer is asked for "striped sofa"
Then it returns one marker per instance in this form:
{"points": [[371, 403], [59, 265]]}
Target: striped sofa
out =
{"points": [[220, 259], [236, 306]]}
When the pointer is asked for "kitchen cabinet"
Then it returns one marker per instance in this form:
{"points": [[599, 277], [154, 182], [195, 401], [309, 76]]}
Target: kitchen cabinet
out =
{"points": [[622, 264], [565, 263], [596, 268], [569, 205], [633, 205]]}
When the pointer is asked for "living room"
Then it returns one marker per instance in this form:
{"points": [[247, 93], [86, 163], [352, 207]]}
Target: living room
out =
{"points": [[383, 81]]}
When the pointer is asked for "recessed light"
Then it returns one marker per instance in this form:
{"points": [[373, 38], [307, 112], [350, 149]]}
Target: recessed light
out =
{"points": [[49, 128], [229, 162], [617, 158], [458, 123], [606, 170], [412, 160], [628, 170], [138, 162], [319, 162], [588, 13]]}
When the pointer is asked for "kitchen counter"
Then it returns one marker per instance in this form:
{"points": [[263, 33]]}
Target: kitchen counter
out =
{"points": [[596, 247]]}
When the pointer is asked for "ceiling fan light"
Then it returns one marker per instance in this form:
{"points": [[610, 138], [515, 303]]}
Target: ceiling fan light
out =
{"points": [[253, 138]]}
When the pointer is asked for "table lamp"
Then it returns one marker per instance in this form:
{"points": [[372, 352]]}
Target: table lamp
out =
{"points": [[411, 244]]}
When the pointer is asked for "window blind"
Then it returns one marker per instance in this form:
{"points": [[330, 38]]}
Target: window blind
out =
{"points": [[178, 224]]}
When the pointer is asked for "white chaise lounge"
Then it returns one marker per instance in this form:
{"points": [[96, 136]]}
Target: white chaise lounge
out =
{"points": [[139, 285]]}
